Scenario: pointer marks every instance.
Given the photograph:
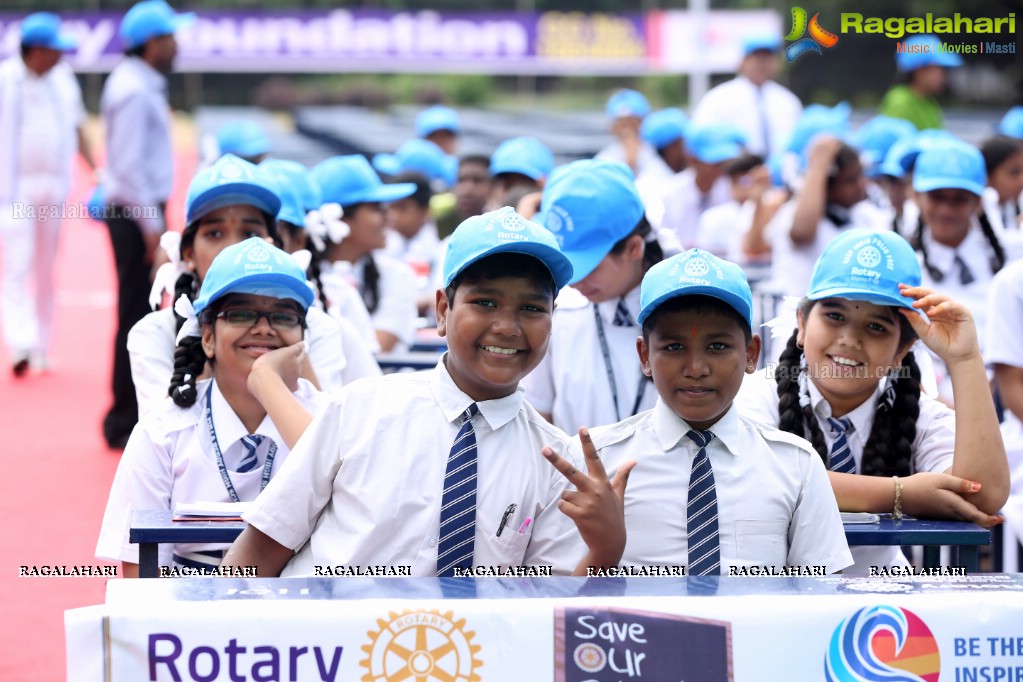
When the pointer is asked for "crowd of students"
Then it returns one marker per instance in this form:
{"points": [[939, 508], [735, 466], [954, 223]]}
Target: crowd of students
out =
{"points": [[619, 298]]}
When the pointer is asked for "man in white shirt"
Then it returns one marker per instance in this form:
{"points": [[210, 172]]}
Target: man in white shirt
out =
{"points": [[140, 173], [753, 101], [41, 116]]}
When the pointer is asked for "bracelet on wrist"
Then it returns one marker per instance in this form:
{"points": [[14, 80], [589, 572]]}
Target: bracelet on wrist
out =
{"points": [[897, 508]]}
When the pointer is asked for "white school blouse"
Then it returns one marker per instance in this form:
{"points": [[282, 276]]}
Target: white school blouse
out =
{"points": [[571, 383], [170, 458], [775, 505], [681, 203], [363, 486], [1005, 344], [933, 447], [397, 312], [336, 352]]}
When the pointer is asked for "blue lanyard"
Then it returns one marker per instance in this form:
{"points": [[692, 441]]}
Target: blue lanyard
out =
{"points": [[220, 456], [640, 389]]}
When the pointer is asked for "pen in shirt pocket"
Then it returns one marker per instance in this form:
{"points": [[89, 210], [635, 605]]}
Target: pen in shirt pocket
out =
{"points": [[504, 519]]}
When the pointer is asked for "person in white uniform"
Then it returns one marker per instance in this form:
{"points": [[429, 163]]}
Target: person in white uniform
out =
{"points": [[713, 490], [225, 438], [847, 381], [627, 110], [41, 117], [591, 374], [472, 488]]}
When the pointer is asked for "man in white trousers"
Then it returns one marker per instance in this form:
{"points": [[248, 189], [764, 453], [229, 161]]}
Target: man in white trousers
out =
{"points": [[41, 116]]}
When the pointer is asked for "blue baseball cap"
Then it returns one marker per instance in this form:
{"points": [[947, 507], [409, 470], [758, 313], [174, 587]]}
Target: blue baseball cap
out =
{"points": [[292, 207], [294, 174], [695, 272], [242, 138], [419, 156], [503, 231], [950, 165], [589, 206], [437, 118], [663, 127], [925, 50], [757, 43], [863, 265], [714, 142], [902, 155], [818, 119], [1012, 123], [228, 182], [42, 29], [151, 19], [875, 137], [349, 180], [255, 267], [627, 102], [525, 155]]}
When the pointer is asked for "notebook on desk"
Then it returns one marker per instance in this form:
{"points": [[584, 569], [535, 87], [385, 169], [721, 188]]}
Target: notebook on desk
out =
{"points": [[210, 511]]}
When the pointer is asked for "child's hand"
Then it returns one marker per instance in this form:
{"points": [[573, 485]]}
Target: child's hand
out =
{"points": [[951, 332], [941, 496], [824, 149], [284, 362], [597, 505]]}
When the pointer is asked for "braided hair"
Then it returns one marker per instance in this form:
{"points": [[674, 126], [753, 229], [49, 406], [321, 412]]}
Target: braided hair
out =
{"points": [[889, 446], [998, 251]]}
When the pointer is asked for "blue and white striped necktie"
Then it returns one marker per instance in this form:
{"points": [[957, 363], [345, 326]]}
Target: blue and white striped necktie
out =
{"points": [[704, 549], [458, 502], [249, 461], [623, 318], [841, 459]]}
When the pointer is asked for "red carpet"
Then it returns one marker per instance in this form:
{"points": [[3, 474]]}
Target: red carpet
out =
{"points": [[56, 466]]}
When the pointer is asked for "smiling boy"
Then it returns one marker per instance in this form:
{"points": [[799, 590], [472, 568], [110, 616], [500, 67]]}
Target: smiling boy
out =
{"points": [[711, 489], [442, 470]]}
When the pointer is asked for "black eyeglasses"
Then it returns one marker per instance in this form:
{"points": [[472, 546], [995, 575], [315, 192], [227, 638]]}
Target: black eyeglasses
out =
{"points": [[278, 319]]}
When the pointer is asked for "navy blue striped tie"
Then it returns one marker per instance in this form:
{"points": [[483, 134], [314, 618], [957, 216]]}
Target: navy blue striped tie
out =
{"points": [[841, 459], [458, 502], [702, 512], [249, 461], [623, 318]]}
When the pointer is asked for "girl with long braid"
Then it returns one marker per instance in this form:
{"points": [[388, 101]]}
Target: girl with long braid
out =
{"points": [[847, 382]]}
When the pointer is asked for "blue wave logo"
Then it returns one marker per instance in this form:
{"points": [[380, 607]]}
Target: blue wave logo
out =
{"points": [[852, 656]]}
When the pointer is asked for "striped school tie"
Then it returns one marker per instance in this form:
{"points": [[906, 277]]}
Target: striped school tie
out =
{"points": [[702, 512], [458, 503], [965, 274], [623, 318], [249, 461], [841, 459]]}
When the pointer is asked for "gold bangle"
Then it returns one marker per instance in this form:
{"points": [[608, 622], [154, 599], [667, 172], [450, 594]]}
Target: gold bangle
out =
{"points": [[897, 509]]}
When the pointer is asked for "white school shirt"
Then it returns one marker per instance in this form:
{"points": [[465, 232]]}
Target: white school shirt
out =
{"points": [[933, 447], [334, 353], [681, 203], [721, 229], [775, 505], [39, 121], [345, 303], [1005, 340], [170, 459], [648, 160], [792, 265], [738, 102], [571, 382], [363, 486], [397, 311], [140, 159]]}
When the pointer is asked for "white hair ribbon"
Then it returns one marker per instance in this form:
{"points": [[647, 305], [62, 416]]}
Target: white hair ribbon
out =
{"points": [[184, 308], [804, 382], [785, 322], [167, 274], [326, 224], [303, 258]]}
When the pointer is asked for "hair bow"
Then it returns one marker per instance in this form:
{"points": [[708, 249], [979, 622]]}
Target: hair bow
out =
{"points": [[325, 224], [167, 274], [185, 309]]}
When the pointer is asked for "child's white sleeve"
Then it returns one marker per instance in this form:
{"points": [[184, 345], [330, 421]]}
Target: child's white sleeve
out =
{"points": [[539, 385], [1004, 337], [816, 534], [151, 353], [555, 541]]}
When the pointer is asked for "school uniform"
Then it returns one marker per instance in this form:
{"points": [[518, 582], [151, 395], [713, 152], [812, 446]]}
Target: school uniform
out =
{"points": [[722, 228], [1005, 219], [1005, 345], [335, 351], [792, 265], [681, 204], [933, 447], [767, 114], [345, 303], [396, 311], [170, 458], [775, 505], [648, 161], [419, 253], [39, 121], [364, 485], [573, 381]]}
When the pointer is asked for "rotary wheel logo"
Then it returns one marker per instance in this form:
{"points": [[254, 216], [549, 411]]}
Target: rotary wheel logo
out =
{"points": [[589, 657], [697, 267], [258, 254], [869, 257], [421, 646], [514, 223]]}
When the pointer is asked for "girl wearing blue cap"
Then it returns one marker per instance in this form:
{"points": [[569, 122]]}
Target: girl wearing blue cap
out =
{"points": [[224, 437], [229, 202], [1003, 196], [847, 381], [387, 285]]}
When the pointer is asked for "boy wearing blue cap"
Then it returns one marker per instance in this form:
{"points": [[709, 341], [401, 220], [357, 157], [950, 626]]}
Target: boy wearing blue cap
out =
{"points": [[441, 126], [756, 496], [470, 489], [520, 164], [627, 110], [224, 437], [41, 117], [921, 61], [848, 382], [244, 139]]}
